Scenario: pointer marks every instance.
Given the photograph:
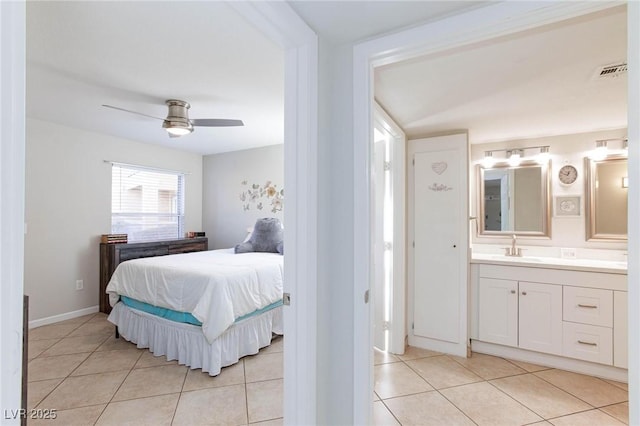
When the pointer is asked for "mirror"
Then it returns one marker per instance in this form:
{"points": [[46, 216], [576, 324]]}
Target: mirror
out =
{"points": [[606, 198], [514, 200]]}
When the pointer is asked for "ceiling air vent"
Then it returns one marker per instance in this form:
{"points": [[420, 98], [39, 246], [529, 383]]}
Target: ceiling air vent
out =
{"points": [[611, 71]]}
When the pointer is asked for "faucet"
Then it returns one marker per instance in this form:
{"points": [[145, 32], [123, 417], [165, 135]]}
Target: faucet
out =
{"points": [[513, 250]]}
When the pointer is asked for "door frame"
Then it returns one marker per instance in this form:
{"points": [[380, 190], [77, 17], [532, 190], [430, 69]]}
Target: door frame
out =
{"points": [[477, 25], [12, 181], [279, 22]]}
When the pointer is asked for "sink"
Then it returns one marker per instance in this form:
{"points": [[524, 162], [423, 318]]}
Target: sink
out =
{"points": [[514, 258]]}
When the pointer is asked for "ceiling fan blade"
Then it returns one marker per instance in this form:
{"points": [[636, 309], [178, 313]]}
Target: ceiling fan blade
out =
{"points": [[216, 122], [132, 112]]}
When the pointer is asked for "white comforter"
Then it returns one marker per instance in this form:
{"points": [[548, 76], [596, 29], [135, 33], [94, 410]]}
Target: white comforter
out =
{"points": [[215, 286]]}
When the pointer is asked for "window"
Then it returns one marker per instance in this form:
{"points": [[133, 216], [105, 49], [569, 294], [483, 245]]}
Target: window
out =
{"points": [[146, 204]]}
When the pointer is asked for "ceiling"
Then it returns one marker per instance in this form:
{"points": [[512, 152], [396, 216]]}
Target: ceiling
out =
{"points": [[359, 20], [81, 55], [534, 84]]}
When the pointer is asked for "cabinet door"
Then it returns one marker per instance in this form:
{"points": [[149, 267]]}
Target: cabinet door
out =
{"points": [[540, 317], [498, 311]]}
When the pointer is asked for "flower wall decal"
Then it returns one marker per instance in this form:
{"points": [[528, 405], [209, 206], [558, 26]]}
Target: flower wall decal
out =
{"points": [[262, 196]]}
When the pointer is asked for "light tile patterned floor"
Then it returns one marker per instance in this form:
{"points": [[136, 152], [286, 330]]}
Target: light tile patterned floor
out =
{"points": [[428, 388], [80, 369]]}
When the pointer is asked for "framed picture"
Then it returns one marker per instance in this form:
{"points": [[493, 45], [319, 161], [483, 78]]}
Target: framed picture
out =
{"points": [[568, 206]]}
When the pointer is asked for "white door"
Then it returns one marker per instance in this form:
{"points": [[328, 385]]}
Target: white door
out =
{"points": [[379, 300], [498, 311], [540, 317], [438, 243], [388, 234]]}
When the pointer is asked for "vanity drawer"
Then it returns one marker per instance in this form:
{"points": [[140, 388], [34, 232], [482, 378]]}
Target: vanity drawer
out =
{"points": [[587, 306], [587, 342]]}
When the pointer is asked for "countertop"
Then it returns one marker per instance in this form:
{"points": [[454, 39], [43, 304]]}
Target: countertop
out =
{"points": [[587, 265]]}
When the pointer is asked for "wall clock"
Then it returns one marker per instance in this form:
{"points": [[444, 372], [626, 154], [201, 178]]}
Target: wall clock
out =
{"points": [[568, 174]]}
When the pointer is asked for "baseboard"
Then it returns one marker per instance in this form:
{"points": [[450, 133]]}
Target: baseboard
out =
{"points": [[554, 361], [62, 317], [457, 349]]}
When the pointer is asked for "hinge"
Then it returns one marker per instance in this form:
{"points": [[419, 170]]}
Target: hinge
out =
{"points": [[413, 161], [366, 296], [412, 326], [387, 165], [286, 299]]}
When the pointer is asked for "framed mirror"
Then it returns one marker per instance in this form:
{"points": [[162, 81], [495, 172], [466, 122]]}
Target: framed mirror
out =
{"points": [[514, 200], [606, 198]]}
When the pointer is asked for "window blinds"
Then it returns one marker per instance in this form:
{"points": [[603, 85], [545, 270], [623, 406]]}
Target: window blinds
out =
{"points": [[147, 204]]}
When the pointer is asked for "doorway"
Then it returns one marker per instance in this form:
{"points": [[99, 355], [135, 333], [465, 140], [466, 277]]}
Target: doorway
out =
{"points": [[479, 25]]}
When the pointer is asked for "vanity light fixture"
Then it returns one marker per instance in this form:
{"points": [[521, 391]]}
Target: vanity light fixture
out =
{"points": [[488, 160], [600, 153], [543, 156], [515, 156]]}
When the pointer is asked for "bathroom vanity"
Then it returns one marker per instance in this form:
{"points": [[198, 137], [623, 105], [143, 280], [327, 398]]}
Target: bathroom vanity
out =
{"points": [[563, 313]]}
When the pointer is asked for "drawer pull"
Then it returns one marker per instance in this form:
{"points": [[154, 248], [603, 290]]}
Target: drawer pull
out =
{"points": [[513, 292], [587, 306], [587, 343]]}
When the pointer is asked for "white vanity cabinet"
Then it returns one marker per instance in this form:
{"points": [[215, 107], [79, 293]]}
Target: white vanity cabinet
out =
{"points": [[520, 313], [498, 311], [545, 312]]}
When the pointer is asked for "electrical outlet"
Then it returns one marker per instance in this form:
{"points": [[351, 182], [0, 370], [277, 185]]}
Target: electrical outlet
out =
{"points": [[568, 253], [79, 284]]}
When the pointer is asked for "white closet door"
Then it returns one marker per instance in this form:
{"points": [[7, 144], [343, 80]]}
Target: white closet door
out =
{"points": [[438, 181]]}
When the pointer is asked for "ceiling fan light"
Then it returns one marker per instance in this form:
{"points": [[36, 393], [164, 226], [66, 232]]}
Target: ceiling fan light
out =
{"points": [[177, 127]]}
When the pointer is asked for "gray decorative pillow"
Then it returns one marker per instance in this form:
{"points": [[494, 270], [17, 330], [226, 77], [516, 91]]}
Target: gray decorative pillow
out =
{"points": [[266, 237]]}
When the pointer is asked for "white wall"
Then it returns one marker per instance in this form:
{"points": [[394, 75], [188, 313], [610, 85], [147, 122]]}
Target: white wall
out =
{"points": [[223, 217], [335, 346], [68, 207], [566, 231]]}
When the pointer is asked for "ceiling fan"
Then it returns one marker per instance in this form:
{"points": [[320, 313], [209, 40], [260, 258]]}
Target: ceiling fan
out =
{"points": [[178, 122]]}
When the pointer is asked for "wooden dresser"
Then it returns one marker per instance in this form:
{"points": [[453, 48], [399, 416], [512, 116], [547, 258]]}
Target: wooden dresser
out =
{"points": [[111, 255]]}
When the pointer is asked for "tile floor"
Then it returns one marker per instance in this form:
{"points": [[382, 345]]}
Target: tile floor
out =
{"points": [[89, 377], [428, 388], [78, 368]]}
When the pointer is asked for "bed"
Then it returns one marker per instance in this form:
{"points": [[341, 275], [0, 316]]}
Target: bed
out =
{"points": [[204, 309]]}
